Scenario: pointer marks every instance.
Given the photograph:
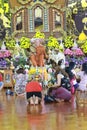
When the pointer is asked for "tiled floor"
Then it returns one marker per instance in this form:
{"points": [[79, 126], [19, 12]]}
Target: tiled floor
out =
{"points": [[15, 114]]}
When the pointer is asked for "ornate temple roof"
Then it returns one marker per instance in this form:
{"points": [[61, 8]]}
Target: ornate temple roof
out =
{"points": [[18, 3]]}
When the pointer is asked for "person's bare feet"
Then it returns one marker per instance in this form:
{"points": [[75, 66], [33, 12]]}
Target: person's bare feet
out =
{"points": [[36, 100], [31, 101]]}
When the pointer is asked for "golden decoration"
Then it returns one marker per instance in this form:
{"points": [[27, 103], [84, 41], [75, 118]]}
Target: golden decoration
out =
{"points": [[50, 1], [23, 1]]}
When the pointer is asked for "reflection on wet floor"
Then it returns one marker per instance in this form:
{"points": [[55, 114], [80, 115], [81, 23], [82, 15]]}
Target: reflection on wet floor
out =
{"points": [[16, 114]]}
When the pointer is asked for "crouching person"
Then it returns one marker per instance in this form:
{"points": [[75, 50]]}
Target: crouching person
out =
{"points": [[34, 91]]}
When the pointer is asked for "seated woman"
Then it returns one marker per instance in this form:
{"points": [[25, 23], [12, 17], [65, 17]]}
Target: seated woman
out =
{"points": [[83, 77], [33, 91], [57, 90], [73, 80], [21, 78], [1, 81]]}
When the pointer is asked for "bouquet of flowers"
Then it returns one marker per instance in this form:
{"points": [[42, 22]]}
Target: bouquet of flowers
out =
{"points": [[19, 60], [4, 63], [68, 42], [39, 35], [10, 43], [78, 52], [52, 42], [84, 47], [68, 52], [24, 42], [5, 53]]}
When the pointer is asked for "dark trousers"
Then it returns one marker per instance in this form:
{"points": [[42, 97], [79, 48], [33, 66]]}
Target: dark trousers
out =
{"points": [[30, 94]]}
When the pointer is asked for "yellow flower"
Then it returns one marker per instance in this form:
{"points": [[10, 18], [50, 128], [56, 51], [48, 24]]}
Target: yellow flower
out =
{"points": [[53, 42], [68, 42], [84, 47], [32, 71], [82, 36], [24, 42], [10, 43], [39, 35]]}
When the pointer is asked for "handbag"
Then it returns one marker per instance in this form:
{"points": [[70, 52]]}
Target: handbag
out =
{"points": [[65, 83]]}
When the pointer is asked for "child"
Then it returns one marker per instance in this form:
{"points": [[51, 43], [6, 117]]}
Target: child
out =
{"points": [[1, 81], [73, 81], [21, 78]]}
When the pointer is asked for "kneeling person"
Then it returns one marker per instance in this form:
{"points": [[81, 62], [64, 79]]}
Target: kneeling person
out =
{"points": [[33, 91]]}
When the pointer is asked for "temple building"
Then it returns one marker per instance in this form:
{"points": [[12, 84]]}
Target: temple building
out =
{"points": [[30, 16]]}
